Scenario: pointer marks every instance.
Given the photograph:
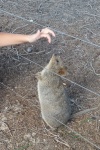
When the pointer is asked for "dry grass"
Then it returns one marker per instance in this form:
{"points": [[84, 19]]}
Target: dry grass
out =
{"points": [[76, 24]]}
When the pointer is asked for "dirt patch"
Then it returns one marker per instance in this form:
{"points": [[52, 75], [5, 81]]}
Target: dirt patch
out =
{"points": [[21, 125]]}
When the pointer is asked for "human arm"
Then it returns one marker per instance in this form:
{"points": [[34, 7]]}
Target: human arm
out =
{"points": [[7, 39]]}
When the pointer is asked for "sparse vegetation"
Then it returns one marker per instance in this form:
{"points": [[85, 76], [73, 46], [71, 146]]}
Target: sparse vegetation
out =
{"points": [[76, 24]]}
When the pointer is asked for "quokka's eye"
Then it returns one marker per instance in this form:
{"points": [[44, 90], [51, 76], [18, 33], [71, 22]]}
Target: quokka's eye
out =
{"points": [[57, 60]]}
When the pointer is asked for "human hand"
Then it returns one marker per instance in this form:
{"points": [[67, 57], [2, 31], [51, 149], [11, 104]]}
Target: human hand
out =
{"points": [[44, 33]]}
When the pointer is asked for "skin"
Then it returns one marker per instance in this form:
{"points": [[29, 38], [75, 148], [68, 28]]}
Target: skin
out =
{"points": [[7, 39]]}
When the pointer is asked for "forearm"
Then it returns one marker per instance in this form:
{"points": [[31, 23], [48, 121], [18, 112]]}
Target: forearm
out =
{"points": [[7, 39]]}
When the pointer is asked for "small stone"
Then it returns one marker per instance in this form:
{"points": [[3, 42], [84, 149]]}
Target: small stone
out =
{"points": [[64, 83], [27, 136], [31, 20], [33, 134], [29, 49], [3, 119], [3, 126], [44, 140]]}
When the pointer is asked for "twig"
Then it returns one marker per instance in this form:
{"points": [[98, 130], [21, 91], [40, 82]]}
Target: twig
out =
{"points": [[33, 53], [19, 28], [94, 69], [61, 141]]}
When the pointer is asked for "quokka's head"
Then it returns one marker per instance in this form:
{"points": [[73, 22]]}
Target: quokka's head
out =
{"points": [[56, 65]]}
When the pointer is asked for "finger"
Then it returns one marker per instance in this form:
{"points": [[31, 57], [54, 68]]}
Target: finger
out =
{"points": [[47, 36], [48, 31], [38, 32]]}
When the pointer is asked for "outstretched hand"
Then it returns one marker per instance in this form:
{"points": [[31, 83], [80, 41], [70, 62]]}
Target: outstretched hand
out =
{"points": [[44, 33], [7, 39]]}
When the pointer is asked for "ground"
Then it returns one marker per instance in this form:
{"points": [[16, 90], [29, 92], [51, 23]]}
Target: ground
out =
{"points": [[76, 24]]}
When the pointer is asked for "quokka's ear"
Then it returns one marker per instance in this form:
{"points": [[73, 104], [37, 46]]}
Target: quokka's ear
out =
{"points": [[38, 76], [52, 60], [53, 56], [62, 71]]}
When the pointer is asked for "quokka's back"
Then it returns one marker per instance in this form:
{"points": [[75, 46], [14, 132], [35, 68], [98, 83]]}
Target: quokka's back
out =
{"points": [[54, 102]]}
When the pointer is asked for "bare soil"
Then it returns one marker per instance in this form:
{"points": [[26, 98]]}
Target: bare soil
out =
{"points": [[77, 27]]}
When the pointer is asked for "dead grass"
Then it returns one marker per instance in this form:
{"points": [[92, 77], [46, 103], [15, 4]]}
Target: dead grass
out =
{"points": [[21, 125]]}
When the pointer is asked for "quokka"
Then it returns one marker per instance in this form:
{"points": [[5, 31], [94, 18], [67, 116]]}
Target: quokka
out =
{"points": [[54, 102]]}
